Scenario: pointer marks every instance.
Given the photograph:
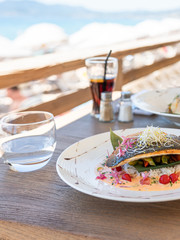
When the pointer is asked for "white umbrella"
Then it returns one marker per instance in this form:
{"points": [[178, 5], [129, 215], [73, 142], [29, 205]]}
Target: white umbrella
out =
{"points": [[150, 28], [4, 42], [147, 28], [170, 24], [98, 34], [41, 36], [8, 50]]}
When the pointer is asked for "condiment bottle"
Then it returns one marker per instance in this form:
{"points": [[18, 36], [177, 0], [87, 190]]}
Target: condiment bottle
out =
{"points": [[106, 108], [125, 108]]}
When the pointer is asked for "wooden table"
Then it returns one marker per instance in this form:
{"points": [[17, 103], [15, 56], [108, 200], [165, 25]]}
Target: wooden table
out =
{"points": [[39, 205]]}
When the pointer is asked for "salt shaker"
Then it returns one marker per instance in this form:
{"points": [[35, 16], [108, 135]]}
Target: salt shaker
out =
{"points": [[125, 108], [106, 108]]}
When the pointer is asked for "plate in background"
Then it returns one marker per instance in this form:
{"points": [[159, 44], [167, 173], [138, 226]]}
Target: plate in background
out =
{"points": [[157, 101]]}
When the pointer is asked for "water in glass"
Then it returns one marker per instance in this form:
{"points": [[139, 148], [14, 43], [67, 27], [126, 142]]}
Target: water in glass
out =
{"points": [[28, 149]]}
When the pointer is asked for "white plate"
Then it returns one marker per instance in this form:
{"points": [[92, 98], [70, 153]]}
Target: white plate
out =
{"points": [[79, 171], [156, 101]]}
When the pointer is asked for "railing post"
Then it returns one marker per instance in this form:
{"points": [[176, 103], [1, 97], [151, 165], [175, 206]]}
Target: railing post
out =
{"points": [[119, 79]]}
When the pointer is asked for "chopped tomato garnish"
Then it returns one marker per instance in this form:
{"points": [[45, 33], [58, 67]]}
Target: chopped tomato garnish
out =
{"points": [[174, 177], [126, 177], [164, 179], [146, 181], [101, 176], [118, 169]]}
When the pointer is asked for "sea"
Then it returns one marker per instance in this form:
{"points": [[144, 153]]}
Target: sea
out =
{"points": [[13, 27]]}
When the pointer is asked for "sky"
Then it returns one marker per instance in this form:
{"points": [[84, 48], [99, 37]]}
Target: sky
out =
{"points": [[118, 5]]}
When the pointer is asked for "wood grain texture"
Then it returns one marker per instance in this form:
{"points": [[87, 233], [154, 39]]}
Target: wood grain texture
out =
{"points": [[64, 102], [14, 72], [144, 71], [119, 79], [40, 203], [14, 231]]}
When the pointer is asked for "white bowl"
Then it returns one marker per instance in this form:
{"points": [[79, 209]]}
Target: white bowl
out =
{"points": [[157, 101]]}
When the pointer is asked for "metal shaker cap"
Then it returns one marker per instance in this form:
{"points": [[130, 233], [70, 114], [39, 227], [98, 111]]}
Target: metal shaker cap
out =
{"points": [[125, 95], [106, 96]]}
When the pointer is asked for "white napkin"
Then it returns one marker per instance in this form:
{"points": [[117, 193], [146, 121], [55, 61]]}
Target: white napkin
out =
{"points": [[139, 111]]}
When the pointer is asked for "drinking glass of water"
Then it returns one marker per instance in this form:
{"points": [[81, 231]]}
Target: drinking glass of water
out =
{"points": [[28, 140]]}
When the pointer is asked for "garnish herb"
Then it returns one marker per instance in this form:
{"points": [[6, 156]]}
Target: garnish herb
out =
{"points": [[115, 139]]}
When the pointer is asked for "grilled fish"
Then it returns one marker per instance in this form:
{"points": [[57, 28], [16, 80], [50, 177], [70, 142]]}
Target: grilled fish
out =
{"points": [[136, 152]]}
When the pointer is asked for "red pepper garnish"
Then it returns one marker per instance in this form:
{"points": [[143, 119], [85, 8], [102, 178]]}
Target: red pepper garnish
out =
{"points": [[146, 163], [177, 157]]}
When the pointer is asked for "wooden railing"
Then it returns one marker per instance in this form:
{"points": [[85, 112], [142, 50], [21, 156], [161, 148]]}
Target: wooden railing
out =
{"points": [[15, 72]]}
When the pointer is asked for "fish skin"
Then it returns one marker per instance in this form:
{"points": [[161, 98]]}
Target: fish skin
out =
{"points": [[133, 153]]}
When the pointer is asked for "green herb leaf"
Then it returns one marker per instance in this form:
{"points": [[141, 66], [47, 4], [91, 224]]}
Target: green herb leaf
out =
{"points": [[115, 139]]}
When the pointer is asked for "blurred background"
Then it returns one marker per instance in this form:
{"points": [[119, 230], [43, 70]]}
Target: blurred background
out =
{"points": [[35, 28]]}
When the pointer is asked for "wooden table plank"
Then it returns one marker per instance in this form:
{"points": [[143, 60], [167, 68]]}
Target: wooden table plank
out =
{"points": [[14, 231], [40, 201]]}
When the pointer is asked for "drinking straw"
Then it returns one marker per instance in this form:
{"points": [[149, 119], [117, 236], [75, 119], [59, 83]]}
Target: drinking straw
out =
{"points": [[105, 69]]}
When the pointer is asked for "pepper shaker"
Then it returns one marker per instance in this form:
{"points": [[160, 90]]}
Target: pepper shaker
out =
{"points": [[106, 108], [125, 108]]}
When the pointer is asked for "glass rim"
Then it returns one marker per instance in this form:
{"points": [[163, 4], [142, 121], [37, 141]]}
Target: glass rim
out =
{"points": [[100, 60], [2, 122]]}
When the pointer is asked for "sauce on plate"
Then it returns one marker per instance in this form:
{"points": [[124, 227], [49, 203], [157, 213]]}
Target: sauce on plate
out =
{"points": [[114, 178]]}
